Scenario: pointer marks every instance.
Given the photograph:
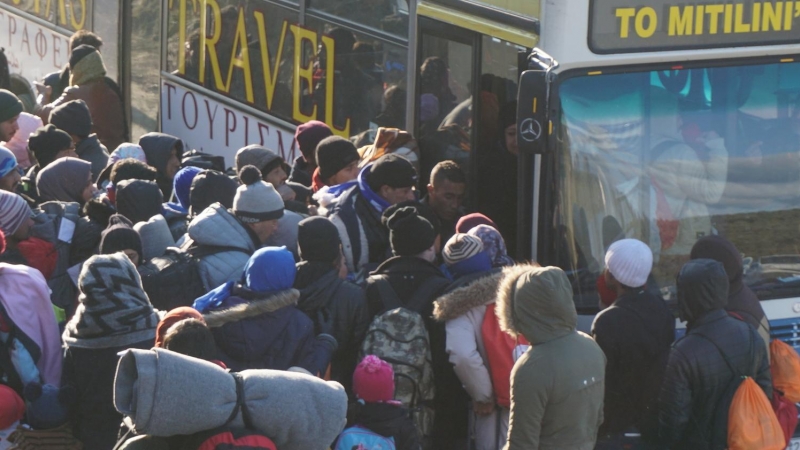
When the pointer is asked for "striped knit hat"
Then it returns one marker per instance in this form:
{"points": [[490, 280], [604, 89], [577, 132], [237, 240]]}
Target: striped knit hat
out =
{"points": [[13, 212], [461, 247]]}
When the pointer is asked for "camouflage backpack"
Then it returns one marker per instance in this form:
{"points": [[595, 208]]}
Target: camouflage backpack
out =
{"points": [[399, 337]]}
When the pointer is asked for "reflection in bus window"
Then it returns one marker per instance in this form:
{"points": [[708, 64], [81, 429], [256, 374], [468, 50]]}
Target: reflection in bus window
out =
{"points": [[670, 156], [390, 16], [74, 15]]}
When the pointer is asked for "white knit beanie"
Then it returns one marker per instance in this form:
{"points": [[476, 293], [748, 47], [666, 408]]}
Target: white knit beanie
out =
{"points": [[630, 262], [256, 200]]}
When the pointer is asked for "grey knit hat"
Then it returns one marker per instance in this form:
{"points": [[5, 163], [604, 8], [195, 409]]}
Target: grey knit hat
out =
{"points": [[255, 155], [256, 200]]}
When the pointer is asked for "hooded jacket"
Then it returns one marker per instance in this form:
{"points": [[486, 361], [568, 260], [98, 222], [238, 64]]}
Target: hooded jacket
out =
{"points": [[557, 385], [697, 375], [267, 331], [388, 420], [158, 150], [742, 301], [215, 226], [329, 300], [91, 150], [463, 310]]}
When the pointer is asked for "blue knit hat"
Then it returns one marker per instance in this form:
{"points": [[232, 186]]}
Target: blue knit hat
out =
{"points": [[182, 185], [270, 269], [8, 162]]}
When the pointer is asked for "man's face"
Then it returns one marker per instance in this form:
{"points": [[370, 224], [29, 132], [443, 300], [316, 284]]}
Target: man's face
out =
{"points": [[445, 198], [24, 230], [510, 134], [11, 180], [89, 191], [349, 173], [173, 164], [264, 229], [133, 255], [8, 128], [277, 177], [397, 195]]}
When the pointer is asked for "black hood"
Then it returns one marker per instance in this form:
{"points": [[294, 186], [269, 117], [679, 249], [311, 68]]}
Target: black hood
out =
{"points": [[157, 148], [702, 287], [138, 200], [318, 283]]}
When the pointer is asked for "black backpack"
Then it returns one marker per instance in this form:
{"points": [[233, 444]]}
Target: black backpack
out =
{"points": [[205, 161], [173, 280]]}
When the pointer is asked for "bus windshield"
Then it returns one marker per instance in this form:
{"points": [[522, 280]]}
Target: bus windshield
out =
{"points": [[670, 156]]}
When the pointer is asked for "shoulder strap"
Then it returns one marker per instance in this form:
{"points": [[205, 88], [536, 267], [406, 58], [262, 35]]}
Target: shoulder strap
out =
{"points": [[240, 404], [387, 294], [426, 292], [724, 356]]}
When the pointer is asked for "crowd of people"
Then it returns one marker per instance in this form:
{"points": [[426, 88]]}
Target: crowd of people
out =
{"points": [[150, 301]]}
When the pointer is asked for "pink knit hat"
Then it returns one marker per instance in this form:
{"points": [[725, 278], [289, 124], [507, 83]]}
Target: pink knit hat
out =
{"points": [[373, 380]]}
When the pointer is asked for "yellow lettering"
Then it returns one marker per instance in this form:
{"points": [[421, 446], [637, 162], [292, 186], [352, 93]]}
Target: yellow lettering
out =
{"points": [[652, 22], [787, 16], [78, 25], [181, 37], [208, 44], [728, 18], [625, 15], [270, 74], [741, 27], [241, 59], [680, 22], [756, 17], [329, 88], [699, 21], [771, 19], [62, 12], [714, 12], [302, 73]]}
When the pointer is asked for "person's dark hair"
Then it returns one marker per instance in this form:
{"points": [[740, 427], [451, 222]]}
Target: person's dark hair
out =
{"points": [[5, 74], [84, 37], [191, 337], [132, 169], [433, 76], [447, 170], [345, 40]]}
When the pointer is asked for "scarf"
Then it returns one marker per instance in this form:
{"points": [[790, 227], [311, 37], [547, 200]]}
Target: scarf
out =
{"points": [[114, 311], [493, 245], [372, 198], [88, 69]]}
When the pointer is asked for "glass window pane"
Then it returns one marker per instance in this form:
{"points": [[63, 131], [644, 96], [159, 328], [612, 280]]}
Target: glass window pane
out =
{"points": [[365, 81], [444, 106], [77, 14], [668, 157], [248, 53], [390, 16], [145, 58]]}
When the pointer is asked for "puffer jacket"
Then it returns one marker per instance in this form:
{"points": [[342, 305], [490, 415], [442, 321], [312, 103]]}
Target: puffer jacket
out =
{"points": [[91, 150], [463, 309], [215, 226], [341, 304], [158, 151], [557, 385], [256, 331], [697, 375]]}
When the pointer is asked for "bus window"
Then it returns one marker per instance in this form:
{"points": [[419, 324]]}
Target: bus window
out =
{"points": [[71, 15], [389, 16], [144, 66], [444, 101], [668, 157]]}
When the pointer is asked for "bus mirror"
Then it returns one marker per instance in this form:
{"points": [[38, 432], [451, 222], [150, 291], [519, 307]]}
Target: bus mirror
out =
{"points": [[532, 125]]}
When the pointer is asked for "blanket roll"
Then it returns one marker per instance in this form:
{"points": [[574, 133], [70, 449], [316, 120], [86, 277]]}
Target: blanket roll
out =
{"points": [[166, 394]]}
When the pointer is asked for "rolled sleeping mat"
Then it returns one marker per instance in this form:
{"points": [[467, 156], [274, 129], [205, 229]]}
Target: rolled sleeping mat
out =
{"points": [[165, 394]]}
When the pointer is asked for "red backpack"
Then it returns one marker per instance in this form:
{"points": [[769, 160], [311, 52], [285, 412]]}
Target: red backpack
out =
{"points": [[502, 351]]}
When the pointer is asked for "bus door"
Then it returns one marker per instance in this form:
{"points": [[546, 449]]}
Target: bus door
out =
{"points": [[465, 111]]}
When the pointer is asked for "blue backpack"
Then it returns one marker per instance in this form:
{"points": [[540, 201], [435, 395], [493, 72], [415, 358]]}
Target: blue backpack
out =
{"points": [[358, 438]]}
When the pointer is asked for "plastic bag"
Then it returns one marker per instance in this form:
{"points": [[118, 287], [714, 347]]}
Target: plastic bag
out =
{"points": [[752, 424], [785, 368], [786, 412]]}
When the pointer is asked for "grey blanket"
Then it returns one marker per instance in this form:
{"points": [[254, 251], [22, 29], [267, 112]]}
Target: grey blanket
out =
{"points": [[165, 394]]}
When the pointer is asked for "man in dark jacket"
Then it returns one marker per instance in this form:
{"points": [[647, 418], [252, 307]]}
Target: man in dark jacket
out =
{"points": [[164, 152], [308, 135], [635, 333], [335, 305], [742, 301], [696, 394], [74, 118], [446, 192], [357, 213]]}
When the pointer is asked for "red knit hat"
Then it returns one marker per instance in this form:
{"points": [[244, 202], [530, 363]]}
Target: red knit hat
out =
{"points": [[12, 408], [373, 380]]}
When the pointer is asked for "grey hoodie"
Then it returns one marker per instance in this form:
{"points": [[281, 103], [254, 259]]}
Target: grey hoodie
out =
{"points": [[557, 386]]}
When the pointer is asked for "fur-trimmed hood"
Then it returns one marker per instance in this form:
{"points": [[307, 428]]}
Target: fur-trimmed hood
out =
{"points": [[536, 302], [482, 291], [251, 308]]}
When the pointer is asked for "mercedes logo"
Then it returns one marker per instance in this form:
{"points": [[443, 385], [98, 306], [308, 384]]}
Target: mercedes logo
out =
{"points": [[530, 129]]}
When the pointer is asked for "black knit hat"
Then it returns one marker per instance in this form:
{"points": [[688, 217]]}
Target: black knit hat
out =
{"points": [[79, 53], [138, 200], [120, 236], [10, 105], [73, 117], [46, 142], [209, 187], [334, 153], [318, 240], [392, 170], [409, 233]]}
